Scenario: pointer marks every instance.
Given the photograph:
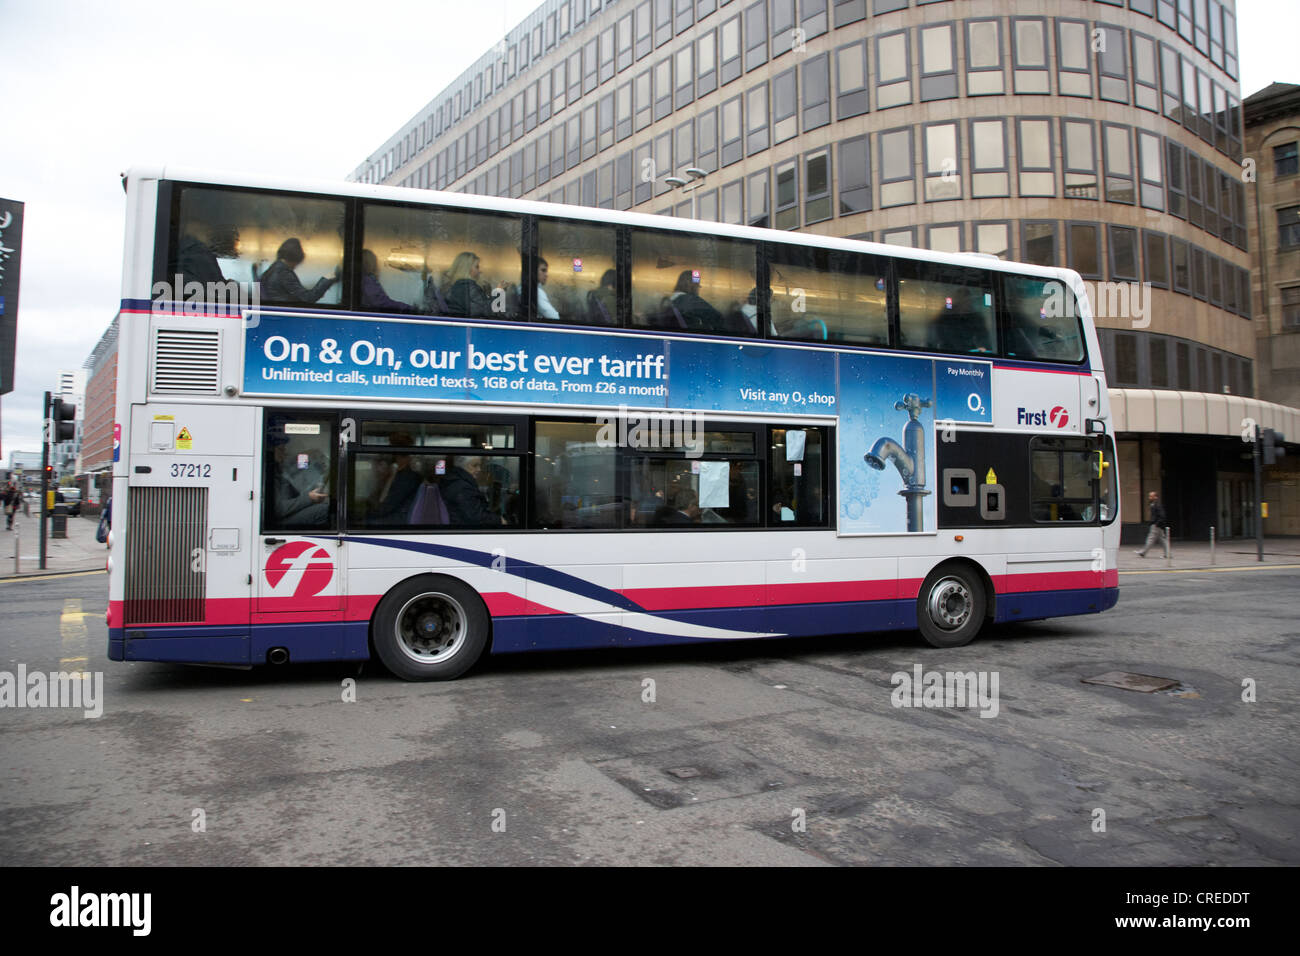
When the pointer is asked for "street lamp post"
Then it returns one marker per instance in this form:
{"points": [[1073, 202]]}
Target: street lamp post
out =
{"points": [[688, 186]]}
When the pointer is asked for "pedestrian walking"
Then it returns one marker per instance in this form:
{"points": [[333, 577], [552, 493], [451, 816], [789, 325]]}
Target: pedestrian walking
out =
{"points": [[11, 496], [1156, 534]]}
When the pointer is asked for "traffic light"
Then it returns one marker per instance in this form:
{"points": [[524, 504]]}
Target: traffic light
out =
{"points": [[1272, 445], [64, 415]]}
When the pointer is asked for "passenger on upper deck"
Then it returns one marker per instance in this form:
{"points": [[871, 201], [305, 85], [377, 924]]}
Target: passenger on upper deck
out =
{"points": [[688, 310], [280, 282], [463, 290], [602, 303], [373, 295], [961, 325], [544, 308]]}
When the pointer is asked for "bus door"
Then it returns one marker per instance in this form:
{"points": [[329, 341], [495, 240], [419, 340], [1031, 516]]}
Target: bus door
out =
{"points": [[300, 552]]}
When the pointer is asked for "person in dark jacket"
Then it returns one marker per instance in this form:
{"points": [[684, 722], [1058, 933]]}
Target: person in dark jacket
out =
{"points": [[373, 296], [280, 282], [463, 290], [689, 310], [391, 502], [1156, 533], [12, 497], [466, 503]]}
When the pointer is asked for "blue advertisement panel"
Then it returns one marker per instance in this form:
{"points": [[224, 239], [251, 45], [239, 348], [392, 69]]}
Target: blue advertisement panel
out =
{"points": [[963, 391], [720, 376], [326, 356], [886, 444]]}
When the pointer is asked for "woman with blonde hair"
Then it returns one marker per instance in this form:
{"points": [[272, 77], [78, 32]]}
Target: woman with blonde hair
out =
{"points": [[463, 289]]}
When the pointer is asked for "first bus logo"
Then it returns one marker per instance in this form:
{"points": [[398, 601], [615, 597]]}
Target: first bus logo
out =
{"points": [[1058, 416], [311, 563]]}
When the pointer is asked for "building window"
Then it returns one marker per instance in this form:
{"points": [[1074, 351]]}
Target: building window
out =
{"points": [[663, 21], [814, 22], [993, 238], [685, 93], [785, 105], [1156, 258], [756, 35], [897, 177], [732, 207], [1153, 187], [1288, 227], [1180, 266], [855, 176], [644, 101], [783, 20], [942, 162], [644, 30], [984, 76], [1286, 159], [1037, 173], [893, 70], [817, 186], [731, 53], [706, 57], [1038, 242], [1175, 179], [644, 171], [787, 196], [732, 132], [1146, 89], [816, 93], [1291, 308], [684, 141], [706, 137], [1080, 159], [623, 44], [1195, 192], [851, 80], [1074, 71], [945, 237], [1171, 83], [756, 138], [1200, 274], [1029, 56], [1119, 164], [938, 62], [663, 94], [757, 193], [1112, 63], [989, 174], [1083, 248], [1123, 253], [849, 11], [589, 131]]}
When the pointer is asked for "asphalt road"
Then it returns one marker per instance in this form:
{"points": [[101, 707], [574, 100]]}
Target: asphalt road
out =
{"points": [[778, 752]]}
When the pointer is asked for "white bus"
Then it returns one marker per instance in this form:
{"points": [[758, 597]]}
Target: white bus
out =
{"points": [[364, 421]]}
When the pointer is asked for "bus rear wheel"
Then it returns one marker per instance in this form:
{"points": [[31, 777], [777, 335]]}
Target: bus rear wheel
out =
{"points": [[430, 628], [950, 608]]}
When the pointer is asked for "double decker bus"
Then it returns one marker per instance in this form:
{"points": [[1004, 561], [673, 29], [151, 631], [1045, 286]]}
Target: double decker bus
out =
{"points": [[364, 421]]}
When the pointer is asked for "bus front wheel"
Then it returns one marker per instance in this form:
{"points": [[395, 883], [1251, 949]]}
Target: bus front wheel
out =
{"points": [[950, 608], [430, 628]]}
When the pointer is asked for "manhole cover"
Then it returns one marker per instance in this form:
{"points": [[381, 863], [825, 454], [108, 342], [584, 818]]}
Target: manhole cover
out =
{"points": [[1143, 683], [683, 773]]}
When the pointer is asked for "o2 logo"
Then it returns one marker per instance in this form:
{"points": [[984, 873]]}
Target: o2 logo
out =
{"points": [[312, 563], [1059, 416]]}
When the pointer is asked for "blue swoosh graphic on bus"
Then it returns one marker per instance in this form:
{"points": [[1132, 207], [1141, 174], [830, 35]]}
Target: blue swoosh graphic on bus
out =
{"points": [[522, 569]]}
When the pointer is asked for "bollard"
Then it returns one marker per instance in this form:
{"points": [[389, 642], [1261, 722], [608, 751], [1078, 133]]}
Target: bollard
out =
{"points": [[1211, 544], [17, 565], [1169, 555]]}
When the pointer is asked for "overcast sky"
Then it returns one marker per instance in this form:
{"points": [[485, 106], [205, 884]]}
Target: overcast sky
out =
{"points": [[303, 89]]}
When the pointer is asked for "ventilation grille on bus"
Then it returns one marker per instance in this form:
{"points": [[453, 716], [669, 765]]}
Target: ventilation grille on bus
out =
{"points": [[186, 361], [165, 576]]}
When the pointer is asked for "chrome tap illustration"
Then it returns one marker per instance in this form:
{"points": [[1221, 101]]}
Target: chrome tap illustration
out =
{"points": [[908, 458]]}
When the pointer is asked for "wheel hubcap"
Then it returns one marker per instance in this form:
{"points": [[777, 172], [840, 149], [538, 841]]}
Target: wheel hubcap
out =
{"points": [[431, 628], [950, 604]]}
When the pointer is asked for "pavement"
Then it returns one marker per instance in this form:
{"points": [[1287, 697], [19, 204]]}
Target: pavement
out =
{"points": [[79, 551]]}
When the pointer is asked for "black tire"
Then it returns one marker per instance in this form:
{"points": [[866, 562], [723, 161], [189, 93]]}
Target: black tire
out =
{"points": [[951, 606], [430, 628]]}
